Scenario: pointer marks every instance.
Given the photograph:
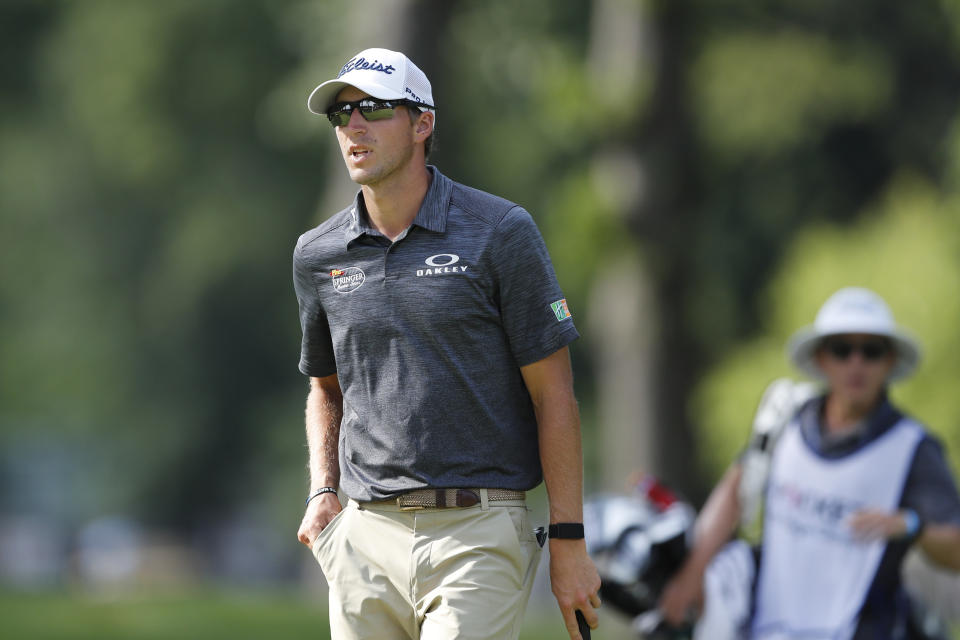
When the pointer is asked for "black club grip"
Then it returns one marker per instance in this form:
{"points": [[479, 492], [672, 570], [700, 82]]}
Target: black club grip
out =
{"points": [[583, 626]]}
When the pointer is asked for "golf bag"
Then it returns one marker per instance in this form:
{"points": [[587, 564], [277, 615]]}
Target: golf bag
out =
{"points": [[638, 541]]}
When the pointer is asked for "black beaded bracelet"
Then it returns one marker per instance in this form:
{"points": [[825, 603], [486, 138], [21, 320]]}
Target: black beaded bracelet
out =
{"points": [[567, 530], [319, 492]]}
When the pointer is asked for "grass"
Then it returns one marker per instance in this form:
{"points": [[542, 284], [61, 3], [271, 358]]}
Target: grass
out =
{"points": [[201, 614], [211, 615], [207, 615]]}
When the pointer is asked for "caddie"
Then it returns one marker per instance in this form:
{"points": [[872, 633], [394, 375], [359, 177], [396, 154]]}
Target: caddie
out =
{"points": [[435, 338], [853, 482]]}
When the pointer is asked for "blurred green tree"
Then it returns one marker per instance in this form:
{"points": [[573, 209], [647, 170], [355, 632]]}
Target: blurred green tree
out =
{"points": [[907, 248], [152, 208]]}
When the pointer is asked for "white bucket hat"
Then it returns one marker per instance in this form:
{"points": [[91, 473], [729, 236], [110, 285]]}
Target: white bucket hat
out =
{"points": [[854, 310], [382, 73]]}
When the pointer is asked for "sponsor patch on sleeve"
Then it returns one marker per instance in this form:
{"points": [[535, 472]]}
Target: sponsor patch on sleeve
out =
{"points": [[560, 309]]}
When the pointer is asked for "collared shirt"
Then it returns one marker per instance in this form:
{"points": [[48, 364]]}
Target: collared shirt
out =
{"points": [[929, 489], [427, 335]]}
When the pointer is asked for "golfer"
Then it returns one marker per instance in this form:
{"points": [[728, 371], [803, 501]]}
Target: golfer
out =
{"points": [[853, 483], [435, 339]]}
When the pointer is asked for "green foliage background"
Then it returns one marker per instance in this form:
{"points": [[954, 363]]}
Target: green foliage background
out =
{"points": [[905, 248]]}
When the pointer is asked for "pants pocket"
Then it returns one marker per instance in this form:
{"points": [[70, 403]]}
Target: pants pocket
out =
{"points": [[325, 539]]}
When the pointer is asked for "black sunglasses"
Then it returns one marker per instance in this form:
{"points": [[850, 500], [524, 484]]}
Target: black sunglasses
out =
{"points": [[370, 108], [870, 350]]}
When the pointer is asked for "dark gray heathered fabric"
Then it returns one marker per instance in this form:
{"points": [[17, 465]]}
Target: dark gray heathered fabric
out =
{"points": [[429, 362]]}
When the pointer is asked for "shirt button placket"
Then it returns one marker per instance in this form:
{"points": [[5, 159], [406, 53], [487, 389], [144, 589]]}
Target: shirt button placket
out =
{"points": [[386, 263], [391, 250]]}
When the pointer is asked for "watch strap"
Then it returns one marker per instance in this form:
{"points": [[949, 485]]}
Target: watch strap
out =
{"points": [[567, 530]]}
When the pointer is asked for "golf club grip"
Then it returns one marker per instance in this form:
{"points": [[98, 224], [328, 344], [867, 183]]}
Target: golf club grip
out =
{"points": [[583, 626]]}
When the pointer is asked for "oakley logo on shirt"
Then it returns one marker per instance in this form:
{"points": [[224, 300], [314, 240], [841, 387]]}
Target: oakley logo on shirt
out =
{"points": [[442, 263]]}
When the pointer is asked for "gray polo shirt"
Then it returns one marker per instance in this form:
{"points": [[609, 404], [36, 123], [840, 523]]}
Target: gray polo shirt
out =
{"points": [[427, 335]]}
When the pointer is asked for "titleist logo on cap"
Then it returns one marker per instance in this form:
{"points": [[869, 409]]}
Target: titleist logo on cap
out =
{"points": [[357, 64]]}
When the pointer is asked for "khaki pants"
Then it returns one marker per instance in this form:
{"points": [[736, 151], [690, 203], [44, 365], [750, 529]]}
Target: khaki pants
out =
{"points": [[433, 574]]}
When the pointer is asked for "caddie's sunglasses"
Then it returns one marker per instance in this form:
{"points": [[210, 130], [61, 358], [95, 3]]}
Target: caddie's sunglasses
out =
{"points": [[871, 350], [370, 108]]}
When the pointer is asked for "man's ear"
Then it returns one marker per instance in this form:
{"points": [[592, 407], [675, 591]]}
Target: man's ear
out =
{"points": [[424, 125]]}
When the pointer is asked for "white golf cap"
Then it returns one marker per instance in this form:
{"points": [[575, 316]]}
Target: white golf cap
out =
{"points": [[381, 73], [854, 310]]}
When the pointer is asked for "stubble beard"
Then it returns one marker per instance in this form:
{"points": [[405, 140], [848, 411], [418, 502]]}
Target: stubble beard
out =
{"points": [[379, 174]]}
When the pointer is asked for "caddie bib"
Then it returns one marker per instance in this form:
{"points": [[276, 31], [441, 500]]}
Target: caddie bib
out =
{"points": [[814, 575]]}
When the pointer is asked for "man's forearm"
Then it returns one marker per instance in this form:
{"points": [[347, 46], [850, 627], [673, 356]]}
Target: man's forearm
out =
{"points": [[573, 577], [550, 383], [561, 456], [323, 415], [941, 544], [717, 520]]}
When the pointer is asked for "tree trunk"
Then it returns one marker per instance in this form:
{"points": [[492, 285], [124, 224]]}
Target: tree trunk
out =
{"points": [[646, 361]]}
